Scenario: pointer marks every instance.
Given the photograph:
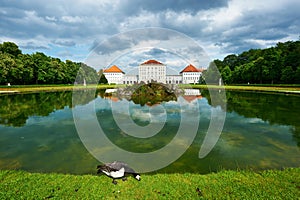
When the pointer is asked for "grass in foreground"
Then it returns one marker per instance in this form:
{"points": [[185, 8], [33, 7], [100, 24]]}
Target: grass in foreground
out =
{"points": [[270, 184]]}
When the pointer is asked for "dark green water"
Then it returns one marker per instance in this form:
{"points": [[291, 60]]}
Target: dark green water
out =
{"points": [[261, 131]]}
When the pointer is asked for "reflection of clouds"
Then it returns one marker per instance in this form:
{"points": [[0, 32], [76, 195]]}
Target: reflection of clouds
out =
{"points": [[146, 115], [60, 115], [172, 110], [234, 117], [102, 104], [255, 120], [155, 113], [141, 115], [185, 105]]}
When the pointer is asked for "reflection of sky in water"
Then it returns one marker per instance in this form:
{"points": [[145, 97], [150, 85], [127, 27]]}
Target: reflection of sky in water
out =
{"points": [[58, 115], [51, 143]]}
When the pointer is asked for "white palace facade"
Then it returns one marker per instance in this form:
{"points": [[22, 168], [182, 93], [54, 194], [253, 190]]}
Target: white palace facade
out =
{"points": [[153, 70]]}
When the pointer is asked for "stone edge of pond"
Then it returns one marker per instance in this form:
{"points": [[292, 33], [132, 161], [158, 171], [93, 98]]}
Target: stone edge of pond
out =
{"points": [[282, 89]]}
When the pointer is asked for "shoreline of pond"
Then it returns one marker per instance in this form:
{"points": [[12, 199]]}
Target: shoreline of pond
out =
{"points": [[285, 89]]}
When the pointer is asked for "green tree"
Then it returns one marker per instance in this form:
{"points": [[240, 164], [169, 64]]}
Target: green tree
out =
{"points": [[25, 64], [211, 75], [71, 71], [231, 61], [10, 48], [39, 62], [102, 79], [6, 63], [297, 75], [226, 75], [287, 75]]}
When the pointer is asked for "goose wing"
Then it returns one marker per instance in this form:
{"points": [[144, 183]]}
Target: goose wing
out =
{"points": [[117, 165]]}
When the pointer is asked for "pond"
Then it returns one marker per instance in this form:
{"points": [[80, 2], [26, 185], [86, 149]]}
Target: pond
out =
{"points": [[38, 132]]}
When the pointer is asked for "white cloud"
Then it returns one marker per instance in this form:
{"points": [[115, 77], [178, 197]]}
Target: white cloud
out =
{"points": [[52, 18], [144, 19], [233, 25], [71, 19]]}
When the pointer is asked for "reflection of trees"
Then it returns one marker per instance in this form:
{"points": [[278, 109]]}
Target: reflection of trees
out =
{"points": [[218, 97], [150, 94], [16, 109], [82, 97], [273, 108]]}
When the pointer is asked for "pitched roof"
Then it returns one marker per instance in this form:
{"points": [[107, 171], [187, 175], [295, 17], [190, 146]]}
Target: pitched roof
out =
{"points": [[153, 62], [191, 68], [113, 69], [190, 98]]}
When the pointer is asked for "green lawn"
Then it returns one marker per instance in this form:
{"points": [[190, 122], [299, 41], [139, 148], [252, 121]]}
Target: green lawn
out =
{"points": [[48, 88], [288, 89], [270, 184], [292, 89]]}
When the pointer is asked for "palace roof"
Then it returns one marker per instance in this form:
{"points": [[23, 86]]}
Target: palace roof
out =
{"points": [[153, 62], [113, 69], [191, 68]]}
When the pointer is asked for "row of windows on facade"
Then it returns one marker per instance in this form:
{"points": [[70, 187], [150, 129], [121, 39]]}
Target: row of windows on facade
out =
{"points": [[160, 77], [152, 69], [170, 82], [191, 78], [192, 74], [114, 74]]}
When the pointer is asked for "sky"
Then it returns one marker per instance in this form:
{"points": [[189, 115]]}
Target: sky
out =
{"points": [[128, 32]]}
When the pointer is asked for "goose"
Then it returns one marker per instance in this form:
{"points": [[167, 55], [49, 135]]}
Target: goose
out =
{"points": [[117, 170]]}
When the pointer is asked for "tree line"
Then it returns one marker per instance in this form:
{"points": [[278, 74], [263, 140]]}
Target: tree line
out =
{"points": [[274, 65], [37, 68]]}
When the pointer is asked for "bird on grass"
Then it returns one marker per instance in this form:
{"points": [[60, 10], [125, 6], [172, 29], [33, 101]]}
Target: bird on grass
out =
{"points": [[117, 170]]}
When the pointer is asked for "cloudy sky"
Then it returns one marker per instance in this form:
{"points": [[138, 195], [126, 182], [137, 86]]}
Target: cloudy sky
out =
{"points": [[77, 29]]}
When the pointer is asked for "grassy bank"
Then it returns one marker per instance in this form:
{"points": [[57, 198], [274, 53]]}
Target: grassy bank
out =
{"points": [[287, 89], [270, 184], [48, 88]]}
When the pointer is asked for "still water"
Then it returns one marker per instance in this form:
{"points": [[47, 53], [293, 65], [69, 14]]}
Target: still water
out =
{"points": [[38, 134]]}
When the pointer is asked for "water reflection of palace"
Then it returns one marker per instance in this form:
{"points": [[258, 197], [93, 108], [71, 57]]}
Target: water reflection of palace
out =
{"points": [[189, 94]]}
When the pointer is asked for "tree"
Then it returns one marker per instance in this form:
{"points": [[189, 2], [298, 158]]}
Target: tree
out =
{"points": [[25, 64], [6, 63], [102, 79], [226, 75], [287, 75], [39, 61], [211, 75], [10, 48], [231, 61], [297, 75], [71, 71]]}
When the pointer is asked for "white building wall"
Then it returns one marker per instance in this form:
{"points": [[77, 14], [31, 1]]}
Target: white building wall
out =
{"points": [[191, 77], [173, 79], [148, 72], [130, 79], [114, 77]]}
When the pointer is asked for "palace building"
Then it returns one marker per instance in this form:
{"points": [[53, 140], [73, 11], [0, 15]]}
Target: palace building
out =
{"points": [[153, 70]]}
